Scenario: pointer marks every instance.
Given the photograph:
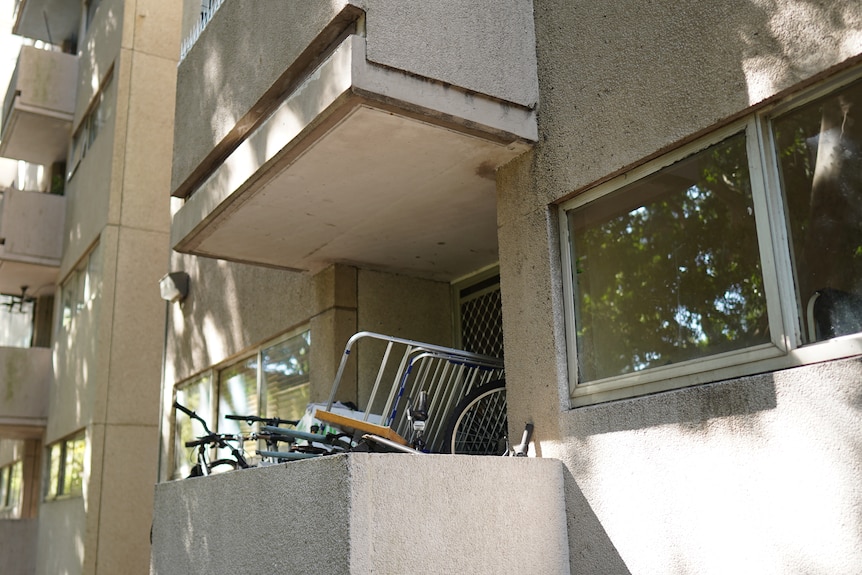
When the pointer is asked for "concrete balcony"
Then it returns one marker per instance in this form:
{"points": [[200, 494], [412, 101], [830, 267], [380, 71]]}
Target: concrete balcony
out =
{"points": [[31, 239], [51, 21], [367, 513], [39, 107], [25, 379], [367, 135]]}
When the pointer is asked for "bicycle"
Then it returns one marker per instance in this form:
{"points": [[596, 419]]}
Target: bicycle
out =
{"points": [[479, 425], [316, 444], [270, 438], [205, 465]]}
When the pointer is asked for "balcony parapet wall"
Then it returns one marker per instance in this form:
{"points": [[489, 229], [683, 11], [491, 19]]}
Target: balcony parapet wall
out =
{"points": [[247, 59], [366, 513], [38, 107], [25, 378]]}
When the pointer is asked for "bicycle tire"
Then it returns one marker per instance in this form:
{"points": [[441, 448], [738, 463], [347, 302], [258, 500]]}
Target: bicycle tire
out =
{"points": [[479, 425], [196, 469]]}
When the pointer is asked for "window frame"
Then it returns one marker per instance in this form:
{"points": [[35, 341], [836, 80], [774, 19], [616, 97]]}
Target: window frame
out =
{"points": [[82, 285], [212, 376], [90, 126], [11, 500], [786, 348], [57, 492]]}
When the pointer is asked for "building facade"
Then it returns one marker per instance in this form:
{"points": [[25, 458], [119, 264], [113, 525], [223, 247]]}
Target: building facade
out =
{"points": [[671, 194], [85, 138]]}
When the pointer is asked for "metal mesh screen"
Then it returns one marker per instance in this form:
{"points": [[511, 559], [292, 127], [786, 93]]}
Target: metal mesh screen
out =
{"points": [[481, 311]]}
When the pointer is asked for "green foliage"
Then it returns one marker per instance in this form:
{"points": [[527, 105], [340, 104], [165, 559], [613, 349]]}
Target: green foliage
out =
{"points": [[678, 276]]}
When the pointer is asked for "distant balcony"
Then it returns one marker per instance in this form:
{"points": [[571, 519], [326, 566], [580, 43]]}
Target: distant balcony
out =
{"points": [[25, 377], [39, 107], [52, 21], [371, 139], [31, 239]]}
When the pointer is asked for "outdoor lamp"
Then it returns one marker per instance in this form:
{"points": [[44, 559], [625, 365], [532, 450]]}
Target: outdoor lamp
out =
{"points": [[174, 286]]}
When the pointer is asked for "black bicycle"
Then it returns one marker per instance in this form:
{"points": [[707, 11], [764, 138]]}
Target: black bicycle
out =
{"points": [[205, 465]]}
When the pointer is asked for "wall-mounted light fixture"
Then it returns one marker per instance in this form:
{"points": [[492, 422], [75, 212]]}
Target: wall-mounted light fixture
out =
{"points": [[174, 286]]}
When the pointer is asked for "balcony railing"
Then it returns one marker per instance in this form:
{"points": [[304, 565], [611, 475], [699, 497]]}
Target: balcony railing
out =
{"points": [[208, 9]]}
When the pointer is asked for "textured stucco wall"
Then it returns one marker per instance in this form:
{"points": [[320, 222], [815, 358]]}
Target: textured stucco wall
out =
{"points": [[231, 308], [366, 513], [61, 538], [482, 47], [18, 546], [757, 475], [108, 365]]}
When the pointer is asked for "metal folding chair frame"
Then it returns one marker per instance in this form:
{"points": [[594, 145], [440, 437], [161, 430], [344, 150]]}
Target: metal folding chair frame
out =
{"points": [[446, 374]]}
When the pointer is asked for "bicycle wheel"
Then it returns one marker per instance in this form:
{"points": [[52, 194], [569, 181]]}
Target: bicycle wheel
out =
{"points": [[217, 466], [479, 425]]}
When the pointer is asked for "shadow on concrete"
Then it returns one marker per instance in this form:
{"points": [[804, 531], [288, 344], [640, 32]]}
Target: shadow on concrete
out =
{"points": [[590, 547]]}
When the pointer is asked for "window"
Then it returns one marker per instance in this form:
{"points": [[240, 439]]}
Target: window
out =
{"points": [[735, 252], [11, 489], [66, 460], [91, 125], [273, 382], [16, 320], [81, 286]]}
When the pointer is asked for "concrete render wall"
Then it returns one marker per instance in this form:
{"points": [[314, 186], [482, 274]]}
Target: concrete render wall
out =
{"points": [[108, 364], [17, 546], [366, 513], [24, 383], [252, 304], [755, 475]]}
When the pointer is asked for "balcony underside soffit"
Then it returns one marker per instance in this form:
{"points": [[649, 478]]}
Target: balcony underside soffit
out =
{"points": [[366, 165], [52, 21]]}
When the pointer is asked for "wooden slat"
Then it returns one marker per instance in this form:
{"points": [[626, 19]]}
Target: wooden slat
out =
{"points": [[357, 424]]}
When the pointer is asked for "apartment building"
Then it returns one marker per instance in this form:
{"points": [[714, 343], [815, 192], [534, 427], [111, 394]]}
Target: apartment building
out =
{"points": [[668, 196], [85, 145]]}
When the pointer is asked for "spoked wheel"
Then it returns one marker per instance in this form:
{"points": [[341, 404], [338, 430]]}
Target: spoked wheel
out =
{"points": [[479, 425]]}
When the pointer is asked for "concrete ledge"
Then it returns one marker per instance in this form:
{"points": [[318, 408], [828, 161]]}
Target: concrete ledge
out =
{"points": [[366, 513]]}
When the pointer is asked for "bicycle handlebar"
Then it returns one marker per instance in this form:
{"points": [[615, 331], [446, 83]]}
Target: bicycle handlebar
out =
{"points": [[193, 415], [271, 421], [219, 439]]}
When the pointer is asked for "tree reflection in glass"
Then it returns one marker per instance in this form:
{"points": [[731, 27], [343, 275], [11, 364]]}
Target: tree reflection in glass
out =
{"points": [[819, 148], [667, 268]]}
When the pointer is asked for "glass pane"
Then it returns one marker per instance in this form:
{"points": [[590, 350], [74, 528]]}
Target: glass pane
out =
{"points": [[80, 290], [197, 396], [16, 482], [4, 486], [667, 268], [73, 473], [819, 150], [237, 389], [285, 377], [69, 300], [94, 274], [16, 321], [56, 458]]}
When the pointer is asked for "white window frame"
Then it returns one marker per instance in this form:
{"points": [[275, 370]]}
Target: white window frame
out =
{"points": [[785, 349]]}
